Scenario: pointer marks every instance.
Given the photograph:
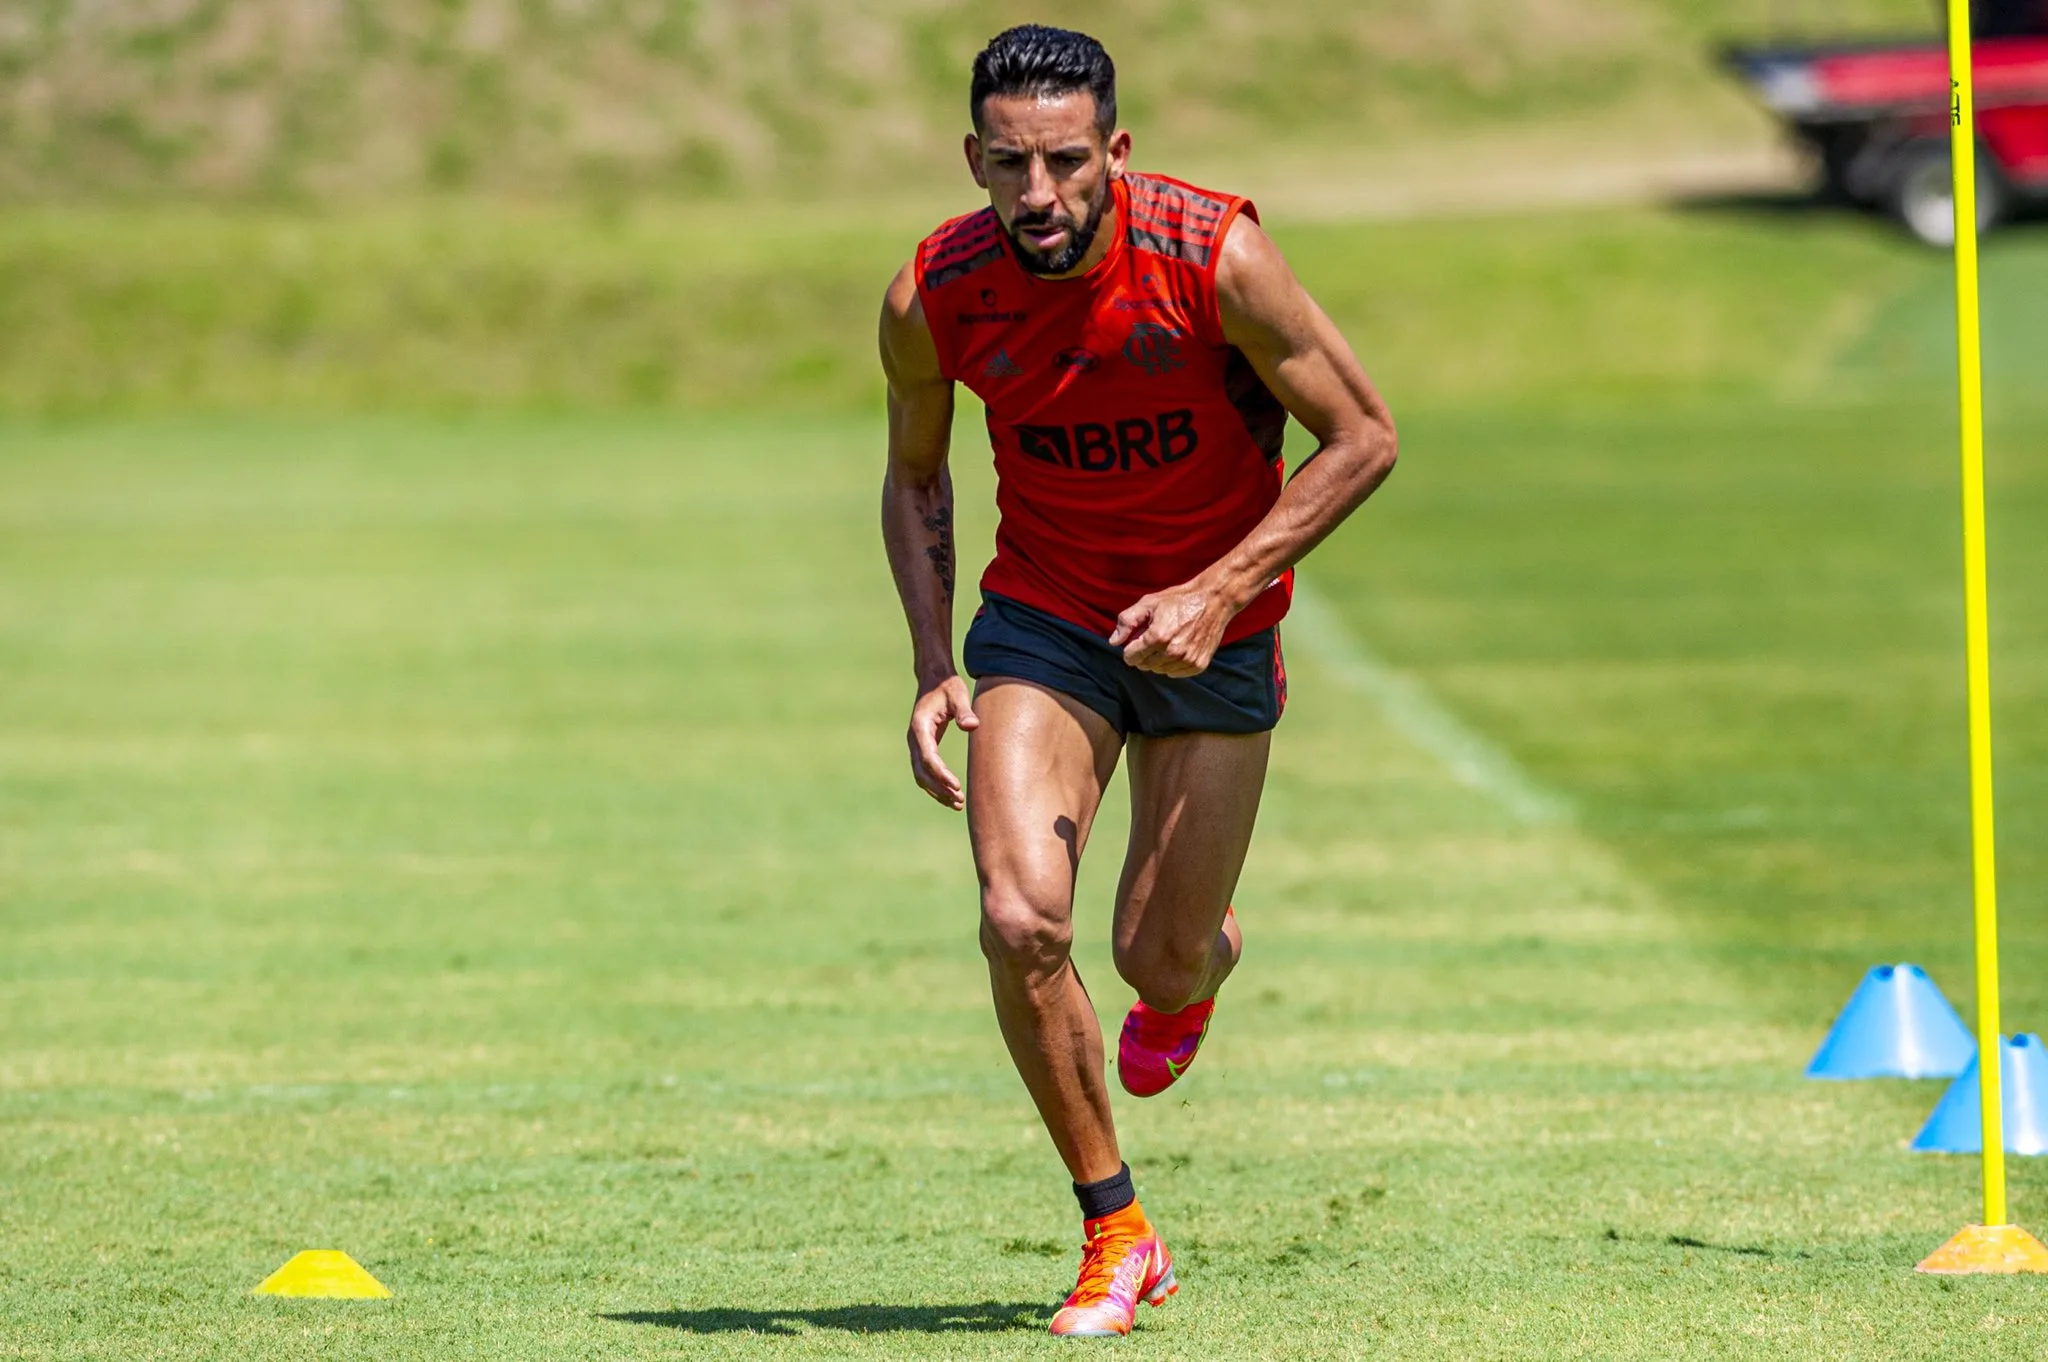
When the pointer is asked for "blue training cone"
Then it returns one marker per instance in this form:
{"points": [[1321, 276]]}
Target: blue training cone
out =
{"points": [[1896, 1025], [1957, 1127]]}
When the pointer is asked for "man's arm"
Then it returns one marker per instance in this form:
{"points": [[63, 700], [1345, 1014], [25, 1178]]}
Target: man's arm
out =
{"points": [[1308, 366], [917, 529]]}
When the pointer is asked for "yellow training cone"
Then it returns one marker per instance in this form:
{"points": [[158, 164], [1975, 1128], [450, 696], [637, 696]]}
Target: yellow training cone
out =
{"points": [[1988, 1248], [326, 1273]]}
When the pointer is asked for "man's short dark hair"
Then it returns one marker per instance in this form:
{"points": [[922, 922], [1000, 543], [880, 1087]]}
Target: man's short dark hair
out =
{"points": [[1041, 62]]}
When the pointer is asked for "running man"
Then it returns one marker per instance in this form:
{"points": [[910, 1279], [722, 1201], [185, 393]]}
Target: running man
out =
{"points": [[1139, 345]]}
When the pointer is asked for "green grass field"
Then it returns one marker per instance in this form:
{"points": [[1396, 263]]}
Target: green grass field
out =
{"points": [[475, 306], [481, 843]]}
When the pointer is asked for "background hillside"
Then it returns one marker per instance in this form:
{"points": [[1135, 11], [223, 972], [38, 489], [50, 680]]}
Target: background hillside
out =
{"points": [[476, 204], [334, 99]]}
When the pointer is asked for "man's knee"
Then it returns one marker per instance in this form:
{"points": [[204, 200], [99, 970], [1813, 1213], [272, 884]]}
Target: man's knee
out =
{"points": [[1026, 938], [1165, 973]]}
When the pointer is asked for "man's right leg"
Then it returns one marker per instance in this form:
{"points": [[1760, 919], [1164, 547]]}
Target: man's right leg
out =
{"points": [[1036, 770], [1037, 767]]}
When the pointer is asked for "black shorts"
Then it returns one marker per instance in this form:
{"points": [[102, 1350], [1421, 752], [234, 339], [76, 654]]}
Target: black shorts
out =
{"points": [[1243, 691]]}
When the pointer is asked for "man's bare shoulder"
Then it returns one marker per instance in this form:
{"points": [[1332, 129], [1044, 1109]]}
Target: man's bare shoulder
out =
{"points": [[901, 304], [908, 349], [1249, 266]]}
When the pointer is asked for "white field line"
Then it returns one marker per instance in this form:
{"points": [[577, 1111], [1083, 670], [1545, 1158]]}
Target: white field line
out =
{"points": [[1409, 707]]}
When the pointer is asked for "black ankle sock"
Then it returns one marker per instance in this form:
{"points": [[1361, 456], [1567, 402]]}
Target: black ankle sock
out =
{"points": [[1107, 1196]]}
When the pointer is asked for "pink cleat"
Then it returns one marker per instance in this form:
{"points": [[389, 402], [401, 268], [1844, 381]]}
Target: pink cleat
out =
{"points": [[1157, 1047], [1125, 1261]]}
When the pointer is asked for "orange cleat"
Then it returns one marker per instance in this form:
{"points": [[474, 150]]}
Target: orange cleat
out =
{"points": [[1125, 1261]]}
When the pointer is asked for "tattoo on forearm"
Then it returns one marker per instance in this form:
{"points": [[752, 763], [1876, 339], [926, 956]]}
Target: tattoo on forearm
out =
{"points": [[940, 523]]}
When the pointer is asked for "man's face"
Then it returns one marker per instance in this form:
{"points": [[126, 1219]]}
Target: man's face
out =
{"points": [[1047, 170]]}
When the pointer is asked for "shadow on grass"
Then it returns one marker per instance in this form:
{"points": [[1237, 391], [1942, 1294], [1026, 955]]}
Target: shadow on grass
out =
{"points": [[1686, 1241], [1778, 202], [1745, 1250], [2028, 215], [985, 1317]]}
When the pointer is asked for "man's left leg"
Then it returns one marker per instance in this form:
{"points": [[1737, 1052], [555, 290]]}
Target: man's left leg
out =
{"points": [[1194, 800]]}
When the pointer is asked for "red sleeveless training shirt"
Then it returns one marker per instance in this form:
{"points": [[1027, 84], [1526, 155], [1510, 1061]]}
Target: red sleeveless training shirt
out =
{"points": [[1134, 446]]}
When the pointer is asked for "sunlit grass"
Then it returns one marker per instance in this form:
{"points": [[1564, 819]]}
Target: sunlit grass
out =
{"points": [[483, 846]]}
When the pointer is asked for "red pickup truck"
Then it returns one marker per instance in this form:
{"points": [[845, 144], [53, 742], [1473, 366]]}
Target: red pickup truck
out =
{"points": [[1876, 114]]}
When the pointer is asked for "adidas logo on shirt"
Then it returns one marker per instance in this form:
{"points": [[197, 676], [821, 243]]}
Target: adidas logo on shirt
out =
{"points": [[1000, 365]]}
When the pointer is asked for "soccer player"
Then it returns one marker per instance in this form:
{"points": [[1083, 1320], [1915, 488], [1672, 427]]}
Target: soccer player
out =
{"points": [[1139, 345]]}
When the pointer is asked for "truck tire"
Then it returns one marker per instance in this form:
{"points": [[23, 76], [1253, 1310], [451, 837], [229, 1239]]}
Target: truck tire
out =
{"points": [[1923, 193], [1838, 148]]}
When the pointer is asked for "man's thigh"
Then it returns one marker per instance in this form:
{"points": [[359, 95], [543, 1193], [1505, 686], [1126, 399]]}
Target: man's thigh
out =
{"points": [[1036, 769], [1194, 800]]}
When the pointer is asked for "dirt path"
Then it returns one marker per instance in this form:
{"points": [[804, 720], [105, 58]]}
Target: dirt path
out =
{"points": [[1482, 179]]}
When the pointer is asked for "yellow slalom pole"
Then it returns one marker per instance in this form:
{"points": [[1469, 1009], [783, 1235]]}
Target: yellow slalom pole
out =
{"points": [[1976, 608], [1995, 1245]]}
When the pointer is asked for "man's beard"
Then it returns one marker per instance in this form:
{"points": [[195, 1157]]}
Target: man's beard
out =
{"points": [[1079, 239]]}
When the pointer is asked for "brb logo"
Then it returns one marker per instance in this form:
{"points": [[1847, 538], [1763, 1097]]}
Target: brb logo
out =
{"points": [[1105, 447]]}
